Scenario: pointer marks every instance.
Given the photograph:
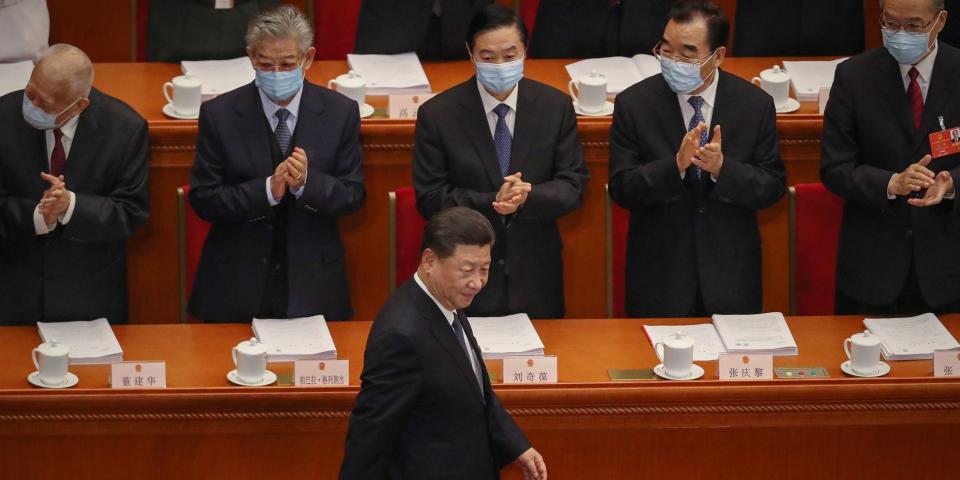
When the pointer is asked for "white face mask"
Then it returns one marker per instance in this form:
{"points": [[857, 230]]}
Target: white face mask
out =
{"points": [[38, 118]]}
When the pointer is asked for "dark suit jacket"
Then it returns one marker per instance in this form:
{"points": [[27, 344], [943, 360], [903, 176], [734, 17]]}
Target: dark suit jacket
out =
{"points": [[799, 27], [420, 414], [194, 30], [392, 26], [592, 28], [227, 189], [78, 271], [951, 31], [685, 233], [868, 135], [455, 163]]}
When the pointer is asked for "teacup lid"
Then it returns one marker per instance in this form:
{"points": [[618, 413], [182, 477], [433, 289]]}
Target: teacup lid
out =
{"points": [[251, 347], [351, 79], [678, 340], [187, 80], [866, 339], [775, 74], [53, 348], [594, 78]]}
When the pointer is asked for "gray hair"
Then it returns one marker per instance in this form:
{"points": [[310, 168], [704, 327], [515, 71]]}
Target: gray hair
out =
{"points": [[936, 5], [69, 66], [284, 21]]}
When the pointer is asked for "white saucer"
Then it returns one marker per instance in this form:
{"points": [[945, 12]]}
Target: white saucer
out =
{"points": [[71, 380], [268, 378], [170, 112], [792, 105], [882, 369], [696, 371], [607, 110], [366, 110]]}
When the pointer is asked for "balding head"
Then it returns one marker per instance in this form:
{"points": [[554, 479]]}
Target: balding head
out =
{"points": [[61, 81]]}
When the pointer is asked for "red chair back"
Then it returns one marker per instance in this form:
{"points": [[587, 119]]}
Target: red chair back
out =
{"points": [[815, 218], [528, 12], [193, 233], [406, 235], [335, 24], [618, 223]]}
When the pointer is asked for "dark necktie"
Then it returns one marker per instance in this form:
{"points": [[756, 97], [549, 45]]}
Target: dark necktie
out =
{"points": [[697, 104], [915, 96], [461, 339], [502, 139], [58, 159], [282, 131]]}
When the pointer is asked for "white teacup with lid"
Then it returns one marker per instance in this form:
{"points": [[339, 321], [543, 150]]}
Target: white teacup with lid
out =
{"points": [[676, 353], [591, 92], [352, 85], [250, 357], [863, 350], [776, 82], [52, 359]]}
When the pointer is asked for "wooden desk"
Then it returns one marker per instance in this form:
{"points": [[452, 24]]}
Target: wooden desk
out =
{"points": [[900, 426], [387, 149]]}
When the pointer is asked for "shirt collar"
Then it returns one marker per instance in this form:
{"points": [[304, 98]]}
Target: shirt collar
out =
{"points": [[925, 67], [270, 108], [69, 129], [709, 95], [448, 314], [489, 103]]}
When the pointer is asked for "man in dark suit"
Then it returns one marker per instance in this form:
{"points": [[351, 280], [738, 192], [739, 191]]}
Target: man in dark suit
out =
{"points": [[432, 28], [694, 245], [198, 30], [73, 188], [597, 28], [897, 251], [426, 409], [508, 148], [799, 28], [278, 161]]}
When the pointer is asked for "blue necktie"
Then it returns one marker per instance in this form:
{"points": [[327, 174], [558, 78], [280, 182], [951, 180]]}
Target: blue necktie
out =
{"points": [[502, 139], [282, 131], [461, 339], [697, 104]]}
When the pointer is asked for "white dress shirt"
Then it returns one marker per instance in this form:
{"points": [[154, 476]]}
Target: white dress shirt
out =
{"points": [[489, 103], [69, 131], [709, 100], [449, 314], [270, 110]]}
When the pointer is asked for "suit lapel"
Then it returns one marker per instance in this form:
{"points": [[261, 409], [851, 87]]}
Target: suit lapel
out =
{"points": [[310, 119], [943, 83], [724, 98], [893, 94], [443, 333], [524, 127], [251, 121], [475, 124], [672, 117], [83, 149]]}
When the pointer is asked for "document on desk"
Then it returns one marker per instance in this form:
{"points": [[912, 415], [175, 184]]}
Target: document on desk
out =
{"points": [[706, 342], [510, 336], [288, 340], [809, 77], [91, 342], [14, 76], [912, 338], [621, 72], [391, 74], [760, 333], [219, 76]]}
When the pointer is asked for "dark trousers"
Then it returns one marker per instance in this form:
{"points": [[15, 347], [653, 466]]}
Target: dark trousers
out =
{"points": [[910, 302]]}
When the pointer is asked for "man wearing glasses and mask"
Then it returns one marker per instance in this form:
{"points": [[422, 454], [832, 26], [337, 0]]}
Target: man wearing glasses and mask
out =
{"points": [[278, 161], [507, 147], [73, 189], [897, 251], [693, 156]]}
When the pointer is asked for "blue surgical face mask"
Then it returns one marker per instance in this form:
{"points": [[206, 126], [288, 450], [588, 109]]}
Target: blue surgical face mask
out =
{"points": [[906, 47], [38, 118], [279, 86], [683, 77], [500, 77]]}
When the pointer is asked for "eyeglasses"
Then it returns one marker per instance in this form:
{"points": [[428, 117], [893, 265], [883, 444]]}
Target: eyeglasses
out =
{"points": [[891, 25], [658, 52], [283, 67]]}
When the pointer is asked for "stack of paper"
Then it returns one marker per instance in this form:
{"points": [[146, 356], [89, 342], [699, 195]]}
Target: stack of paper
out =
{"points": [[90, 342], [809, 77], [706, 342], [761, 333], [390, 74], [14, 76], [510, 336], [219, 76], [621, 72], [293, 339], [911, 338]]}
